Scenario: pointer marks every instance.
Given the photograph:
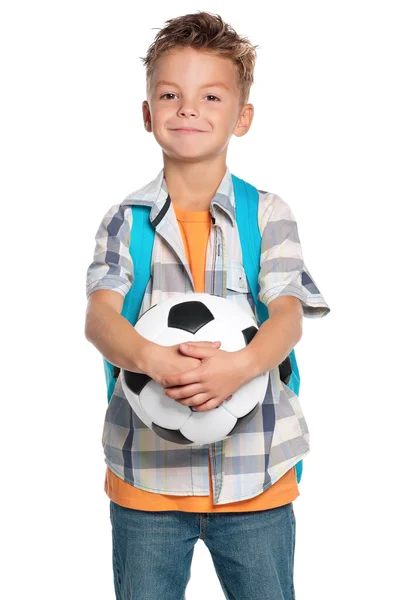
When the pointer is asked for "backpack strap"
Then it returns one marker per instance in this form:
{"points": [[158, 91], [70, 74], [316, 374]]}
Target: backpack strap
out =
{"points": [[141, 243], [246, 206]]}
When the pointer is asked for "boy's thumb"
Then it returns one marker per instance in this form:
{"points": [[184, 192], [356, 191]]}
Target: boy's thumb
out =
{"points": [[198, 350]]}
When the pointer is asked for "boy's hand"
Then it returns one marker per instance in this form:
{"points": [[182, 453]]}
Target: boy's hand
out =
{"points": [[160, 361], [205, 387]]}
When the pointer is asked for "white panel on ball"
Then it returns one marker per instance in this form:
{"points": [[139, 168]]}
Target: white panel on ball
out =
{"points": [[208, 426]]}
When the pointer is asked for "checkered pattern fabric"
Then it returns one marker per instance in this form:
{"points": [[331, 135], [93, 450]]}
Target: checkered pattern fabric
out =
{"points": [[248, 463]]}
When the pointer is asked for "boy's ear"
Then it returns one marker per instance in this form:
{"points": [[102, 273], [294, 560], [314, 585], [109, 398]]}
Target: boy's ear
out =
{"points": [[245, 120], [146, 115]]}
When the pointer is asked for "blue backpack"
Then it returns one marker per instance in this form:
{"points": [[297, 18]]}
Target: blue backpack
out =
{"points": [[246, 205]]}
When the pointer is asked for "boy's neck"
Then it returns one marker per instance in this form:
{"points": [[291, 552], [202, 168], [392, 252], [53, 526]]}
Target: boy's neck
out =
{"points": [[192, 186]]}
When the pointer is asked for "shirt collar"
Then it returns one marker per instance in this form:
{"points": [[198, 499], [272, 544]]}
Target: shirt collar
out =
{"points": [[155, 194]]}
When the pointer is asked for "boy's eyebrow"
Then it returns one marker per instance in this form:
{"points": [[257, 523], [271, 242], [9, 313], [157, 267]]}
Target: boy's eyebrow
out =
{"points": [[212, 84]]}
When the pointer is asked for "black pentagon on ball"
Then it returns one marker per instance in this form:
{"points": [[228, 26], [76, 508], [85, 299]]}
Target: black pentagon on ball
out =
{"points": [[136, 381], [171, 435], [189, 316], [243, 421], [249, 333]]}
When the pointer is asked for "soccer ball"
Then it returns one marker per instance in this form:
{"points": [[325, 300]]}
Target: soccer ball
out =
{"points": [[194, 317]]}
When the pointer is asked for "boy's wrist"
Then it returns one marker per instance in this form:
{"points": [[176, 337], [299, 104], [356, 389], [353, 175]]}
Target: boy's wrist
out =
{"points": [[247, 363]]}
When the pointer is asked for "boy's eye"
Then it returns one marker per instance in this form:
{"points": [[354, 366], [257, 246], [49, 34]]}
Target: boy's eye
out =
{"points": [[171, 94]]}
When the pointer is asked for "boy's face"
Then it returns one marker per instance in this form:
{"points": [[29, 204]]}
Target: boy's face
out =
{"points": [[180, 97]]}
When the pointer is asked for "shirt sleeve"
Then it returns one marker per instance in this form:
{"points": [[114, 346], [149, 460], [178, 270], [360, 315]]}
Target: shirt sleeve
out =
{"points": [[282, 268], [112, 266]]}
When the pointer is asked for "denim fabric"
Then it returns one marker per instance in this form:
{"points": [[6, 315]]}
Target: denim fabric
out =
{"points": [[252, 552]]}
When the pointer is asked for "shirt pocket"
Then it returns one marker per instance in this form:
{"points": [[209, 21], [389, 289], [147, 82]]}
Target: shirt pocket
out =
{"points": [[236, 278]]}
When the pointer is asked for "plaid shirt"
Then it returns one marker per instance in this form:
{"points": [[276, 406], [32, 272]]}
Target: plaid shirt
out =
{"points": [[248, 463]]}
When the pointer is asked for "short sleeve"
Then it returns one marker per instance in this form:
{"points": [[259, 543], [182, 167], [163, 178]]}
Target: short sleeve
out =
{"points": [[112, 265], [282, 268]]}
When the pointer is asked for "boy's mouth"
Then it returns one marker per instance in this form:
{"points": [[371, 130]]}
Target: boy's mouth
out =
{"points": [[188, 130]]}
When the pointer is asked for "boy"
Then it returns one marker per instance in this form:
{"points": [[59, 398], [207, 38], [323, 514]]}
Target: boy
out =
{"points": [[236, 495]]}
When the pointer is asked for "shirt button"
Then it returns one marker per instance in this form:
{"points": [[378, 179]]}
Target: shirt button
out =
{"points": [[241, 282]]}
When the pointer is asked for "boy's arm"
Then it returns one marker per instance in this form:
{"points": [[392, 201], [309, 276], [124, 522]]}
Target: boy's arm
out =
{"points": [[275, 338], [113, 335], [109, 278], [285, 287]]}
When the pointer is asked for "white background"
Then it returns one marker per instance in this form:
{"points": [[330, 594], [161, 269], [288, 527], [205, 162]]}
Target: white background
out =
{"points": [[324, 137]]}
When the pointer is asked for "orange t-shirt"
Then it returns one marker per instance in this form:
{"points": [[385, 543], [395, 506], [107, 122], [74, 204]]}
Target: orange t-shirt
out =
{"points": [[195, 230]]}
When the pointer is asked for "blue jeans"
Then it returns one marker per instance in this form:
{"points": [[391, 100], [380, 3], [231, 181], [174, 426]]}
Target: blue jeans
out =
{"points": [[252, 552]]}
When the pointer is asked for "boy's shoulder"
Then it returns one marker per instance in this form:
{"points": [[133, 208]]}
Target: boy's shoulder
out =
{"points": [[273, 208]]}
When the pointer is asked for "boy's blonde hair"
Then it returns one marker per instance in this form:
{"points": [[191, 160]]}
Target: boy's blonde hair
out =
{"points": [[205, 31]]}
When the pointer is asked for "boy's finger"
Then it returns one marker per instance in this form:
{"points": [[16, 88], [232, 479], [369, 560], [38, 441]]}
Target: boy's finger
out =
{"points": [[199, 351]]}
